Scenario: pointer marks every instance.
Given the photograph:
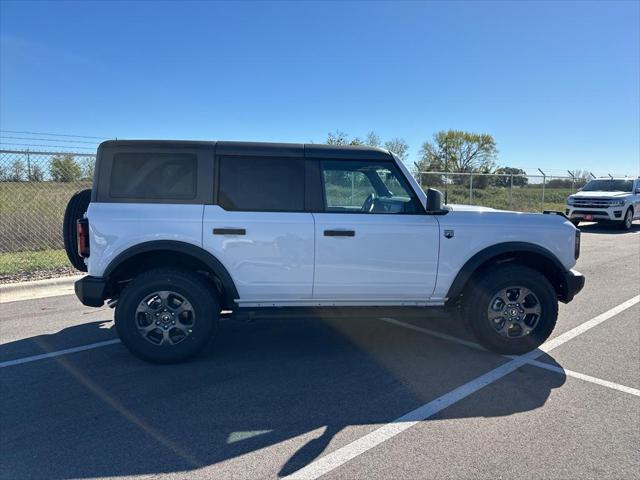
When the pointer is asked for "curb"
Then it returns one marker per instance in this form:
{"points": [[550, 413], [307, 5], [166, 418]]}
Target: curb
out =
{"points": [[50, 287]]}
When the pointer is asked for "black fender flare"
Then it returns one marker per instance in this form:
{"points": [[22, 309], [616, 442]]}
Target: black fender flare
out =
{"points": [[180, 247], [477, 260]]}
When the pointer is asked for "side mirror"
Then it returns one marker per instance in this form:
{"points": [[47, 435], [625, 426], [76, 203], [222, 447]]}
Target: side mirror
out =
{"points": [[434, 200]]}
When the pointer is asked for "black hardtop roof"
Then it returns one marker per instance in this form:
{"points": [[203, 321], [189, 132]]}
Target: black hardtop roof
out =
{"points": [[311, 150]]}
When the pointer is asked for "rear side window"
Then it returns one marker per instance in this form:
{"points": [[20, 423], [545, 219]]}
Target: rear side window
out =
{"points": [[261, 184], [153, 176]]}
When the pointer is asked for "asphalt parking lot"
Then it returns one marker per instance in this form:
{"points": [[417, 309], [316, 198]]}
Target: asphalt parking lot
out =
{"points": [[337, 398]]}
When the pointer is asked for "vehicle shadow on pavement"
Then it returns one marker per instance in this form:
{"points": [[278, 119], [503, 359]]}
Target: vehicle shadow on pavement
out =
{"points": [[608, 228], [265, 399]]}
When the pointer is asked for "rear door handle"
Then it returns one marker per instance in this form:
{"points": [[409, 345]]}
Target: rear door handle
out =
{"points": [[339, 233], [229, 231]]}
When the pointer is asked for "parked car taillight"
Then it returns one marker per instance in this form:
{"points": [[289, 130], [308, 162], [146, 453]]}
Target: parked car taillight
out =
{"points": [[82, 236]]}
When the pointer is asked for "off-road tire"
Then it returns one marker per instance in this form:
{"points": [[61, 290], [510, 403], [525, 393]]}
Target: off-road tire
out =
{"points": [[194, 289], [485, 285], [75, 210]]}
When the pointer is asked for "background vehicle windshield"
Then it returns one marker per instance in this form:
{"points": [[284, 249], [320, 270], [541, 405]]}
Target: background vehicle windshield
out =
{"points": [[608, 186]]}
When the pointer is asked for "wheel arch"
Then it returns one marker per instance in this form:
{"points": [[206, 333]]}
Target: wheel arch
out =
{"points": [[531, 255], [166, 253]]}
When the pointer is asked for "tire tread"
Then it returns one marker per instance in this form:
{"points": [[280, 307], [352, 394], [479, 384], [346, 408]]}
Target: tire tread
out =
{"points": [[474, 315], [201, 296], [76, 208]]}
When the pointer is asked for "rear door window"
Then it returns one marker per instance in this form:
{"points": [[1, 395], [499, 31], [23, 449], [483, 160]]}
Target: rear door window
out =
{"points": [[269, 184]]}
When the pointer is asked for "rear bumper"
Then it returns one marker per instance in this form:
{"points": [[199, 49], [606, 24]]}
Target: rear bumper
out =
{"points": [[573, 283], [90, 290]]}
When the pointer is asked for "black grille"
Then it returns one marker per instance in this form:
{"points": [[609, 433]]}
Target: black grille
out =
{"points": [[590, 212]]}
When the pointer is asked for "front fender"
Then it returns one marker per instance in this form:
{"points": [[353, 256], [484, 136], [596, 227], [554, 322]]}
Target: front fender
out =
{"points": [[498, 251]]}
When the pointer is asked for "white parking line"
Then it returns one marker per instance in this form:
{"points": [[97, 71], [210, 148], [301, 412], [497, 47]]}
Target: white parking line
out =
{"points": [[535, 363], [433, 333], [587, 378], [57, 353], [344, 454]]}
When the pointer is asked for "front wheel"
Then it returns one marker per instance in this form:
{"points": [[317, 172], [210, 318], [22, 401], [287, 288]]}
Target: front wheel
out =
{"points": [[166, 315], [627, 222], [511, 309]]}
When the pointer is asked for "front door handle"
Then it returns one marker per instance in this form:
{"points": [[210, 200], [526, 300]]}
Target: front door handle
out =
{"points": [[339, 233], [229, 231]]}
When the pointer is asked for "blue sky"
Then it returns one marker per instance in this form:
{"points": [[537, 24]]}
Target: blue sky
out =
{"points": [[557, 84]]}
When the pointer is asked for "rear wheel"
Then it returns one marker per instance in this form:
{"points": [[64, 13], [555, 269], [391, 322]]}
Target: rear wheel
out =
{"points": [[76, 208], [166, 315], [511, 309]]}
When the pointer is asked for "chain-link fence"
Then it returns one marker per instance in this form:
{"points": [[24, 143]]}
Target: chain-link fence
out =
{"points": [[526, 193], [36, 186], [34, 190]]}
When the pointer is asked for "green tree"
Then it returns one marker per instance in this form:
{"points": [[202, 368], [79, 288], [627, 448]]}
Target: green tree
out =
{"points": [[458, 152], [560, 183], [65, 169], [398, 146], [88, 168], [519, 177]]}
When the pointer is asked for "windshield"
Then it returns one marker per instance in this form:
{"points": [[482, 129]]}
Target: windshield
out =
{"points": [[608, 186]]}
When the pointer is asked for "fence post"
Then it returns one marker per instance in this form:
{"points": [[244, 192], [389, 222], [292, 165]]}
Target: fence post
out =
{"points": [[471, 189], [511, 192], [544, 181], [573, 181], [446, 187]]}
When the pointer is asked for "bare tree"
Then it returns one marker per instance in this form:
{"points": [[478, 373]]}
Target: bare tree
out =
{"points": [[372, 139], [36, 174], [398, 146], [17, 171], [337, 138], [581, 177]]}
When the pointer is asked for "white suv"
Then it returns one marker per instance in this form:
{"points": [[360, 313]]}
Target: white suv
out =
{"points": [[606, 199], [175, 232]]}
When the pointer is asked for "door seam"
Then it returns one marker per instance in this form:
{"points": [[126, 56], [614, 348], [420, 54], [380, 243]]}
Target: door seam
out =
{"points": [[313, 276]]}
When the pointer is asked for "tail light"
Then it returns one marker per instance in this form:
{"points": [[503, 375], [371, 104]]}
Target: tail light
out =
{"points": [[82, 236], [577, 246]]}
